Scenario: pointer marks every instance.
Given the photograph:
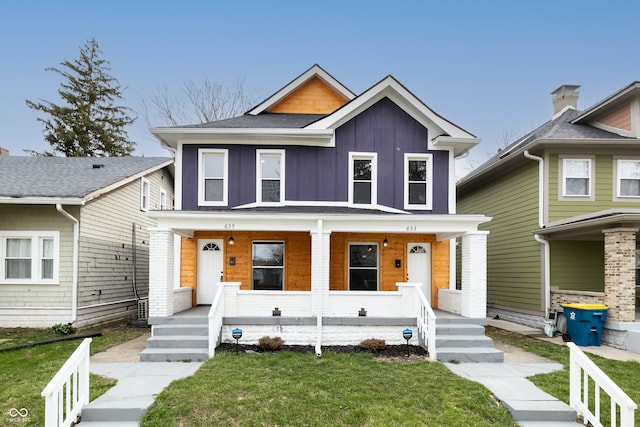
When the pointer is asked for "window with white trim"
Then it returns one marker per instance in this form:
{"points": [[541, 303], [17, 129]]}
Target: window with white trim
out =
{"points": [[29, 257], [212, 177], [628, 178], [576, 177], [163, 200], [418, 179], [363, 184], [268, 266], [145, 191], [270, 176], [363, 266]]}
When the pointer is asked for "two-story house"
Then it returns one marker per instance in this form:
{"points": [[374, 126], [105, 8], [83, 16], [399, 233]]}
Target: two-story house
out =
{"points": [[565, 202], [315, 214], [74, 239]]}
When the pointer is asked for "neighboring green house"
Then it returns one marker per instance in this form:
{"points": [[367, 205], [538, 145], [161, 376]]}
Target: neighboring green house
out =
{"points": [[74, 237], [565, 202]]}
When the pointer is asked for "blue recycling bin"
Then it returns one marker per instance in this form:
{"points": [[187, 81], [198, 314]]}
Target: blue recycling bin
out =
{"points": [[584, 322]]}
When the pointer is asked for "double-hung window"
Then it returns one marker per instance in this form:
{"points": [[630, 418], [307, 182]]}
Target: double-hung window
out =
{"points": [[268, 266], [363, 178], [163, 200], [29, 257], [270, 176], [145, 191], [212, 177], [577, 178], [628, 178], [418, 178], [363, 266]]}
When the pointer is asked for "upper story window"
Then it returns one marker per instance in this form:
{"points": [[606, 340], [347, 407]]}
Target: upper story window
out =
{"points": [[363, 266], [418, 178], [145, 191], [363, 172], [212, 177], [628, 178], [163, 200], [577, 178], [270, 176], [29, 257], [268, 266]]}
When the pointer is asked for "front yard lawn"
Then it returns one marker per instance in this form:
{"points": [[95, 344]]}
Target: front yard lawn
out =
{"points": [[25, 372], [299, 389]]}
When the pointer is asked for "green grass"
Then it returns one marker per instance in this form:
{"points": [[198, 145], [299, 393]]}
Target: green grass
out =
{"points": [[624, 374], [296, 389], [25, 372]]}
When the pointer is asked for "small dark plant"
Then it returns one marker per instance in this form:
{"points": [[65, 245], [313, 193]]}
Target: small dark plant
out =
{"points": [[270, 344], [373, 345], [62, 329]]}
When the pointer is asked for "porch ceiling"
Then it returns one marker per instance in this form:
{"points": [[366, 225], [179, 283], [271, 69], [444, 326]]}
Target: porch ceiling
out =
{"points": [[589, 228]]}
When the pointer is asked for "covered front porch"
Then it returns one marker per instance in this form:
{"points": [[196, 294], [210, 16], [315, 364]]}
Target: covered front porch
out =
{"points": [[593, 259]]}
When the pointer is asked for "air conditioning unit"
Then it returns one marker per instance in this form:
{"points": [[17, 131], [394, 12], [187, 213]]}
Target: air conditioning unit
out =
{"points": [[143, 308]]}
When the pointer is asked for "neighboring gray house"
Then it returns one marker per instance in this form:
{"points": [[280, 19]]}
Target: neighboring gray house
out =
{"points": [[74, 238]]}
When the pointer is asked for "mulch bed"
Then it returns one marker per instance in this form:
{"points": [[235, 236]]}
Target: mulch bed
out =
{"points": [[391, 352]]}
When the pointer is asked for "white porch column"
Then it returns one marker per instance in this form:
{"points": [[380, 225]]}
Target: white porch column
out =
{"points": [[474, 275], [320, 254], [160, 272]]}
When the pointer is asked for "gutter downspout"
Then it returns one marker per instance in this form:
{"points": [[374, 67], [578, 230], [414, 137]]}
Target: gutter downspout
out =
{"points": [[543, 242], [318, 347], [74, 274]]}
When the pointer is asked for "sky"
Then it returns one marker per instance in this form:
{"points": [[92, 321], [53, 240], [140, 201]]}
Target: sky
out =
{"points": [[487, 66]]}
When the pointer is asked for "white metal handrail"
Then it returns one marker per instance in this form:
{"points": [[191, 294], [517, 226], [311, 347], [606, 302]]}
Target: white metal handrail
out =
{"points": [[426, 323], [68, 391], [579, 391], [216, 313]]}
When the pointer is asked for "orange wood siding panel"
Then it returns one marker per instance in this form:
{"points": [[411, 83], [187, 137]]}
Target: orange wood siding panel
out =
{"points": [[619, 118], [188, 265], [396, 249], [313, 97], [297, 247]]}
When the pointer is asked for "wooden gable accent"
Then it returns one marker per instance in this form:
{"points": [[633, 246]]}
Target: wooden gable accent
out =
{"points": [[619, 118], [313, 97]]}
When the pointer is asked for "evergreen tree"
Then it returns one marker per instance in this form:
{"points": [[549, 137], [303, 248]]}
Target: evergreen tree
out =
{"points": [[89, 123]]}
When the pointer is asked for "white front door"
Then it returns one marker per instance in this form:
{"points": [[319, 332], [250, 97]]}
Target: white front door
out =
{"points": [[210, 258], [419, 266]]}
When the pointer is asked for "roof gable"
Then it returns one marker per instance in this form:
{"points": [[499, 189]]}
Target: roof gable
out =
{"points": [[295, 96]]}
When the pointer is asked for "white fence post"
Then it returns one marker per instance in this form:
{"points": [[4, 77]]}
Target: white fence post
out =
{"points": [[68, 391]]}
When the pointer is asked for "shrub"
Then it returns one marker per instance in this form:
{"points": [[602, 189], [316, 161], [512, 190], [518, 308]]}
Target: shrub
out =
{"points": [[270, 344], [62, 329], [373, 345]]}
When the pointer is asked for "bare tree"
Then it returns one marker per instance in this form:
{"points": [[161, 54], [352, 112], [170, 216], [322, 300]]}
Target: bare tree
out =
{"points": [[198, 102]]}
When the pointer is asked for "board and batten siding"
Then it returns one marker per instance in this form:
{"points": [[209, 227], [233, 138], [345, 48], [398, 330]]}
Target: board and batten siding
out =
{"points": [[604, 187], [513, 256], [40, 218], [106, 246]]}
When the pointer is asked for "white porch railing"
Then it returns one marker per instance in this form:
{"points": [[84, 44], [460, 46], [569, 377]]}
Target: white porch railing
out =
{"points": [[216, 313], [68, 391], [579, 391], [426, 323]]}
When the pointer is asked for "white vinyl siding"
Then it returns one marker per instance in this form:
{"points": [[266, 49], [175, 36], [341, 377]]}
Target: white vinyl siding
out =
{"points": [[270, 183], [418, 181], [212, 177], [29, 257], [363, 171]]}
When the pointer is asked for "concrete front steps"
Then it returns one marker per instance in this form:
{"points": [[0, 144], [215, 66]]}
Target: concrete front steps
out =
{"points": [[463, 340], [178, 338]]}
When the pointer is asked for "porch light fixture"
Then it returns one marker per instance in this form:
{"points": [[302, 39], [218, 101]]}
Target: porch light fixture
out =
{"points": [[236, 333], [407, 334], [385, 242], [232, 242]]}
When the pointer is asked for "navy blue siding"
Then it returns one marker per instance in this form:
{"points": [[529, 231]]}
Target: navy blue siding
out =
{"points": [[320, 174]]}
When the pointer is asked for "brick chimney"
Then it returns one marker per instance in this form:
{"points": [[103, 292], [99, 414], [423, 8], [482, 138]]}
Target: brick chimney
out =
{"points": [[4, 152], [565, 96]]}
